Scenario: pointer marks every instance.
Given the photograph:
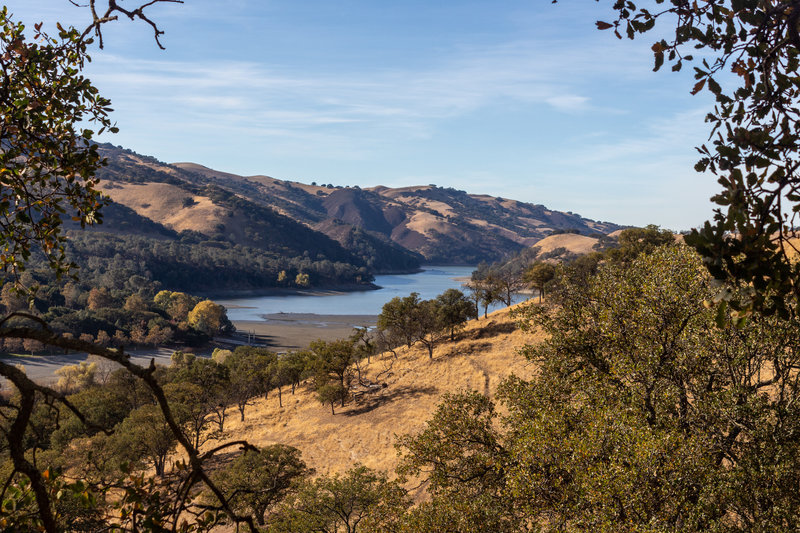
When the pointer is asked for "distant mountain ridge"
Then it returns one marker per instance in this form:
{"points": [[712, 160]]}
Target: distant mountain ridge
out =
{"points": [[386, 229]]}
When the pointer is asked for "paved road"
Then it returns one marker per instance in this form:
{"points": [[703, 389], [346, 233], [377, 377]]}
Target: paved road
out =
{"points": [[41, 369]]}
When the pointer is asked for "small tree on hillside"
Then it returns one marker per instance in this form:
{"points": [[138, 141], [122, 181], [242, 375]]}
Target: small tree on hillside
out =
{"points": [[387, 341], [538, 275], [196, 408], [428, 326], [333, 368], [144, 437], [485, 291], [396, 318], [250, 372], [454, 310], [508, 283], [297, 364], [281, 373], [329, 392]]}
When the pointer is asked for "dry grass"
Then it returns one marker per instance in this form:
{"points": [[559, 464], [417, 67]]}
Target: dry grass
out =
{"points": [[164, 203], [410, 388], [577, 244]]}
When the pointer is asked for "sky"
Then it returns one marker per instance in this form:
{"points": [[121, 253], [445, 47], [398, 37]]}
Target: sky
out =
{"points": [[519, 99]]}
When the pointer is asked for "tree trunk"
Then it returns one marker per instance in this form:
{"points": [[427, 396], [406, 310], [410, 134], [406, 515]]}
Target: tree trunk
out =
{"points": [[280, 398], [332, 409], [221, 419], [241, 410]]}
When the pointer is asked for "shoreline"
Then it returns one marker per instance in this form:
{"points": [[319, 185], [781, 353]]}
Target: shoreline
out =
{"points": [[227, 294], [288, 291], [295, 331]]}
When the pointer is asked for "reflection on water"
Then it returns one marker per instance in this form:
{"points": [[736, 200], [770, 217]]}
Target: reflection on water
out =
{"points": [[429, 283]]}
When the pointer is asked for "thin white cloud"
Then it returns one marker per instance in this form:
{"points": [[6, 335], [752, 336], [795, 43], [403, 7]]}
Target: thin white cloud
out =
{"points": [[389, 99], [568, 102]]}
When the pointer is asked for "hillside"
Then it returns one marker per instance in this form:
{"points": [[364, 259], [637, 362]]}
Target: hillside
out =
{"points": [[572, 243], [364, 430], [398, 227], [443, 225]]}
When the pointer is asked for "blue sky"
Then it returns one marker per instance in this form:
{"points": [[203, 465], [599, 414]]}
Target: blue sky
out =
{"points": [[519, 99]]}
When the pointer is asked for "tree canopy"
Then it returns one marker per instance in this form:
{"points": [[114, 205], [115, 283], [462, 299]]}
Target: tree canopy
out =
{"points": [[643, 415]]}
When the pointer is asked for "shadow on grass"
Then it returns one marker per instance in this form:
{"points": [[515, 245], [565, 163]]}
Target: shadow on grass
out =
{"points": [[492, 329], [369, 401]]}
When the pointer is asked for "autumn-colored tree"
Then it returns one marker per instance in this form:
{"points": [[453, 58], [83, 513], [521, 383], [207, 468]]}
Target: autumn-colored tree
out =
{"points": [[135, 303], [72, 378], [32, 345], [158, 335], [207, 317], [176, 304], [99, 299], [103, 338]]}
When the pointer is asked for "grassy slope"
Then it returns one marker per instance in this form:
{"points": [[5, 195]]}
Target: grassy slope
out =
{"points": [[364, 430]]}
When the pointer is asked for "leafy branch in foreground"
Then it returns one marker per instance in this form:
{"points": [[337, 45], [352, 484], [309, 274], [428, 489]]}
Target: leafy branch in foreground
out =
{"points": [[20, 416], [47, 172], [749, 62]]}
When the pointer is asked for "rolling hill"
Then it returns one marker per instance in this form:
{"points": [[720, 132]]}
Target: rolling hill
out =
{"points": [[387, 229]]}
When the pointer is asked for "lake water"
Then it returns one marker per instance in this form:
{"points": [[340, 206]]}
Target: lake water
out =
{"points": [[429, 283]]}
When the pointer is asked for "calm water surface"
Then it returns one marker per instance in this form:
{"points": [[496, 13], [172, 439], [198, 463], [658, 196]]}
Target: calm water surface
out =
{"points": [[429, 283]]}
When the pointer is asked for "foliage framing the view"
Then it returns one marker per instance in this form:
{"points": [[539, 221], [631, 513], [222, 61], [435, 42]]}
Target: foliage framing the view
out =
{"points": [[48, 169], [47, 162], [749, 62]]}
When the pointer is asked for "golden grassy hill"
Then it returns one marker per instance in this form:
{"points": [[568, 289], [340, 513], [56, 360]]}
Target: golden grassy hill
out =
{"points": [[364, 430], [164, 203], [577, 244]]}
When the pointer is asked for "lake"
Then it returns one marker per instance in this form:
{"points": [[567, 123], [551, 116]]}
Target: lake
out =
{"points": [[429, 283]]}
